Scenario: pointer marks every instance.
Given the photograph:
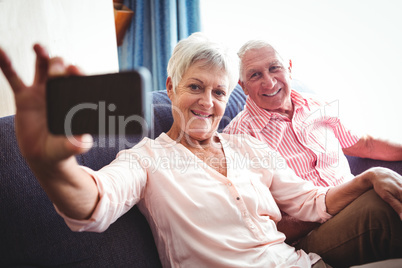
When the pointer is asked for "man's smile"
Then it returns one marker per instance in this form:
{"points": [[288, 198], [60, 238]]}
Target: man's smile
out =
{"points": [[273, 94]]}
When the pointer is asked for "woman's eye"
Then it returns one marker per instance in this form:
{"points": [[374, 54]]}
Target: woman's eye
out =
{"points": [[220, 93], [194, 87]]}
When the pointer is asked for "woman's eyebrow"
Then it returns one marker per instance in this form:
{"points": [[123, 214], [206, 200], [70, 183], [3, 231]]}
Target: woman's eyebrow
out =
{"points": [[223, 86], [197, 79], [201, 82]]}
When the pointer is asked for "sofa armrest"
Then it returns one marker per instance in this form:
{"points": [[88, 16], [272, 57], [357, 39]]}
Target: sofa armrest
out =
{"points": [[358, 165]]}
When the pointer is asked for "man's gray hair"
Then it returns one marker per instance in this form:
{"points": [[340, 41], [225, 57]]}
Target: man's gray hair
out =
{"points": [[255, 45], [199, 47]]}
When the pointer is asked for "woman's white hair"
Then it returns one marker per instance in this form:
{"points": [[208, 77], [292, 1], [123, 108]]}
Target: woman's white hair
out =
{"points": [[258, 44], [199, 47]]}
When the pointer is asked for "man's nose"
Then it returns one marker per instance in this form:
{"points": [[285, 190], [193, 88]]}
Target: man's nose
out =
{"points": [[268, 80]]}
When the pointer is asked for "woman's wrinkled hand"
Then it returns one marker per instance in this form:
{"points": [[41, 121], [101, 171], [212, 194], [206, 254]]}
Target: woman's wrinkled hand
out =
{"points": [[36, 143]]}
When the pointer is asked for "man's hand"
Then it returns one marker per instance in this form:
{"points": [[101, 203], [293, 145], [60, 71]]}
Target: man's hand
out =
{"points": [[385, 182], [388, 185]]}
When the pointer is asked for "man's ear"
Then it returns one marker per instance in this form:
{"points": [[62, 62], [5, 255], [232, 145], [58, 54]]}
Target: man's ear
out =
{"points": [[290, 69], [169, 87], [243, 86]]}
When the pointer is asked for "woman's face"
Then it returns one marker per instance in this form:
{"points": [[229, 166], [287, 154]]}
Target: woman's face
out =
{"points": [[199, 101]]}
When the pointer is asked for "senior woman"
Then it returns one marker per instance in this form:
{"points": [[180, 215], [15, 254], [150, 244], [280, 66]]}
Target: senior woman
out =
{"points": [[211, 199]]}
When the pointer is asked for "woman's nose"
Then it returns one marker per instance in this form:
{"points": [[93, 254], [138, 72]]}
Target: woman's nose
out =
{"points": [[206, 100]]}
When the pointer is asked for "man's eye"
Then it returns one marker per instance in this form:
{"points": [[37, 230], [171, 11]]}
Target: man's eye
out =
{"points": [[254, 75], [275, 68]]}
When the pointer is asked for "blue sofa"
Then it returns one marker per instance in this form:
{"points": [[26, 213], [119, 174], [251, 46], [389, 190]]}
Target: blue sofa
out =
{"points": [[33, 235]]}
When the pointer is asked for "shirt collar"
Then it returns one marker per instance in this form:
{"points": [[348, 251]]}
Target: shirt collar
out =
{"points": [[259, 117], [298, 100]]}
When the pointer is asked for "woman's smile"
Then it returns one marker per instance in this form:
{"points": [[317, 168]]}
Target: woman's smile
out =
{"points": [[201, 115]]}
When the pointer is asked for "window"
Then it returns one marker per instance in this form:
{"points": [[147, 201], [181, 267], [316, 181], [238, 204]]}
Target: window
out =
{"points": [[344, 50]]}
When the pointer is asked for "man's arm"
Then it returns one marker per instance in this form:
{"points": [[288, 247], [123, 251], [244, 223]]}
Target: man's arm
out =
{"points": [[374, 148], [385, 182], [295, 229]]}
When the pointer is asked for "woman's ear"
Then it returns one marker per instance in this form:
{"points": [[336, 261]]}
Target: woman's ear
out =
{"points": [[169, 87]]}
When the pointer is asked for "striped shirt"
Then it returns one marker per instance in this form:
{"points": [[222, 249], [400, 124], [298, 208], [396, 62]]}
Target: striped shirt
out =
{"points": [[311, 142]]}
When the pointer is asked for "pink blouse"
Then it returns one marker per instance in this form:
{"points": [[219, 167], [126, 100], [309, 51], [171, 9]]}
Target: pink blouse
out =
{"points": [[200, 218]]}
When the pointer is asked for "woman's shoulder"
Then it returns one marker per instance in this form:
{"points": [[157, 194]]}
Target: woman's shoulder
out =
{"points": [[149, 147]]}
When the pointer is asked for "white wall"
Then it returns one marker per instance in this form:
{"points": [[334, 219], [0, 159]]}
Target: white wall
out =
{"points": [[82, 32], [346, 50]]}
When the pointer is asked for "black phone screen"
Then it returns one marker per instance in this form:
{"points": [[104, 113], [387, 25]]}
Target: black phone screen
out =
{"points": [[109, 104]]}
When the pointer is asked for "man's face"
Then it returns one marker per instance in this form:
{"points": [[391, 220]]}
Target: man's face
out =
{"points": [[266, 80]]}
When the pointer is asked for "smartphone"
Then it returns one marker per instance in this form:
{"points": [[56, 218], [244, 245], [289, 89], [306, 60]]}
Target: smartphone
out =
{"points": [[110, 104]]}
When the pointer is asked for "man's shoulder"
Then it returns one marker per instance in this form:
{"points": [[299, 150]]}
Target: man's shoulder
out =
{"points": [[320, 107], [239, 124], [313, 99]]}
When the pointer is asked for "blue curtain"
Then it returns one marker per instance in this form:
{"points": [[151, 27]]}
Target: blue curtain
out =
{"points": [[156, 28]]}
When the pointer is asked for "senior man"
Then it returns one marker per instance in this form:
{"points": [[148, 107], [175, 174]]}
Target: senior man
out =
{"points": [[305, 133]]}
